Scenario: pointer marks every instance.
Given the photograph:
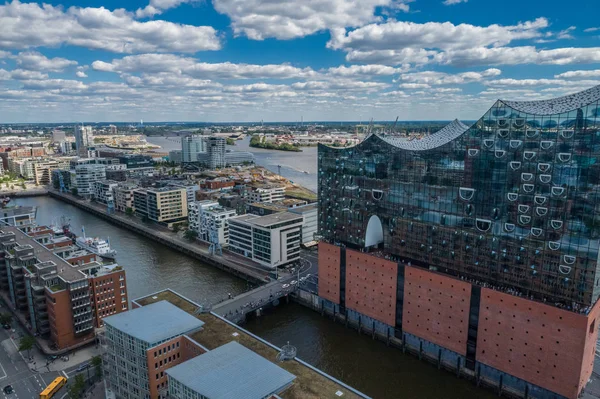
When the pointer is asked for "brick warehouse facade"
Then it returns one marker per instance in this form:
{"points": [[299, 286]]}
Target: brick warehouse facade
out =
{"points": [[525, 345], [479, 245]]}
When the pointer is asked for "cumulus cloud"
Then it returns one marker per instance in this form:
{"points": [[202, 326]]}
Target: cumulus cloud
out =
{"points": [[154, 63], [288, 19], [588, 30], [81, 74], [157, 7], [433, 78], [365, 70], [97, 28], [452, 2], [579, 74], [34, 61]]}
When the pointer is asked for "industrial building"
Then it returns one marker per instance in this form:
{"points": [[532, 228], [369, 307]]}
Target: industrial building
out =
{"points": [[272, 240], [477, 246]]}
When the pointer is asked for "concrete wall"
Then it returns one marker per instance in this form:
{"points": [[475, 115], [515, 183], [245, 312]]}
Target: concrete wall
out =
{"points": [[436, 308], [371, 284], [329, 272], [535, 342]]}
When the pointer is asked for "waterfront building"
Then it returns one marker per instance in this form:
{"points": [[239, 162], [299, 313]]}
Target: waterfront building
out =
{"points": [[215, 152], [210, 219], [229, 371], [309, 215], [234, 158], [267, 208], [272, 240], [141, 344], [190, 190], [85, 175], [265, 193], [104, 191], [39, 170], [191, 147], [124, 198], [60, 302], [163, 205], [476, 245], [58, 136]]}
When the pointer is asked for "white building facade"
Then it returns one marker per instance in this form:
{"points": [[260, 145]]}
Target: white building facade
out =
{"points": [[266, 194], [210, 220]]}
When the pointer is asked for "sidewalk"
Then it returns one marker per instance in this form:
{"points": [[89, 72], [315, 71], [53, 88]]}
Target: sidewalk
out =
{"points": [[40, 363]]}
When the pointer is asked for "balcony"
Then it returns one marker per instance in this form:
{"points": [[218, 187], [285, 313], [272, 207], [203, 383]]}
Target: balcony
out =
{"points": [[88, 303]]}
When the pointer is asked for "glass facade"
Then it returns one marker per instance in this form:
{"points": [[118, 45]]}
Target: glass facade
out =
{"points": [[510, 201]]}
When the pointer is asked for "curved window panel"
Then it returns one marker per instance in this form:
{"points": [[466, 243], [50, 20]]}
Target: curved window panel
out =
{"points": [[473, 152], [377, 194], [526, 176], [536, 232], [531, 133], [519, 123], [523, 219], [488, 143], [514, 144], [512, 196], [543, 167], [502, 122], [509, 227], [528, 188], [553, 245], [466, 194], [483, 225], [556, 224], [569, 259], [503, 133], [523, 208], [557, 191], [564, 156], [529, 155], [500, 153], [541, 211], [545, 178], [514, 165], [564, 269], [539, 199], [546, 145], [567, 134]]}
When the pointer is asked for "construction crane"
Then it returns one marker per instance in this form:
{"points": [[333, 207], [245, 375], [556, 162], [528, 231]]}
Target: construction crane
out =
{"points": [[395, 123], [370, 127]]}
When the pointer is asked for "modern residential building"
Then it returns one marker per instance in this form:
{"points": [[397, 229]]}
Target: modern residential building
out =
{"points": [[58, 136], [210, 220], [61, 302], [112, 129], [163, 205], [229, 371], [191, 147], [265, 193], [267, 208], [272, 240], [123, 194], [189, 188], [215, 152], [39, 170], [104, 191], [233, 158], [176, 156], [135, 160], [477, 246], [141, 344], [84, 176], [84, 137]]}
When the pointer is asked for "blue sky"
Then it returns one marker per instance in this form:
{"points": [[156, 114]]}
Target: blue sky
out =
{"points": [[280, 60]]}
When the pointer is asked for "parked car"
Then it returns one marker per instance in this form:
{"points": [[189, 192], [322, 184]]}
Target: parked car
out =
{"points": [[8, 389], [6, 326], [83, 366], [285, 286], [294, 282]]}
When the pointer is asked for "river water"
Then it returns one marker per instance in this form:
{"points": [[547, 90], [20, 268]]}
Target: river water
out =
{"points": [[367, 365], [293, 164]]}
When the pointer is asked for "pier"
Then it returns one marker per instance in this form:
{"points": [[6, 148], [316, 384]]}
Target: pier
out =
{"points": [[233, 264]]}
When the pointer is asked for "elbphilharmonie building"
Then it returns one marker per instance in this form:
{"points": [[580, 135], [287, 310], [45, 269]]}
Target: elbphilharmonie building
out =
{"points": [[476, 245]]}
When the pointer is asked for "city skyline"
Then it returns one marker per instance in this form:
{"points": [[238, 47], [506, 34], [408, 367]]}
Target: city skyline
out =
{"points": [[220, 61]]}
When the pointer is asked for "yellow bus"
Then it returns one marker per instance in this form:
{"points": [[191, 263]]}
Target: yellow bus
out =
{"points": [[54, 386]]}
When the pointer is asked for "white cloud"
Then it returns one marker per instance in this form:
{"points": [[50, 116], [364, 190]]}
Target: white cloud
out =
{"points": [[157, 7], [434, 78], [53, 84], [588, 30], [566, 33], [288, 19], [81, 74], [451, 2], [21, 74], [412, 86], [365, 70], [579, 74], [154, 63], [397, 35], [97, 28], [34, 61]]}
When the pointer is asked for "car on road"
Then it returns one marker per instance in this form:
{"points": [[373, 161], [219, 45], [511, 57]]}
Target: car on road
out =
{"points": [[6, 326], [294, 282], [83, 366], [8, 389], [285, 286]]}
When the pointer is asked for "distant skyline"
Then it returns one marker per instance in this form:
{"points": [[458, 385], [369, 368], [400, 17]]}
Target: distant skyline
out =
{"points": [[323, 60]]}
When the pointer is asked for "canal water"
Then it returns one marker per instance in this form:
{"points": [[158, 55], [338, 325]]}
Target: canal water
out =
{"points": [[367, 365]]}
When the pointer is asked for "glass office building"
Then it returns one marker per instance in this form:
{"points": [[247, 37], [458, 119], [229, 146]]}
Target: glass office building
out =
{"points": [[510, 201]]}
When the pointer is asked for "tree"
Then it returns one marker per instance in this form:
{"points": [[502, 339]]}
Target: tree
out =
{"points": [[76, 387], [26, 344], [97, 364], [74, 191], [190, 235], [5, 318], [176, 228], [129, 211]]}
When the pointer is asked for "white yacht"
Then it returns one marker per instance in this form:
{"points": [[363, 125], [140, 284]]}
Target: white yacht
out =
{"points": [[96, 245]]}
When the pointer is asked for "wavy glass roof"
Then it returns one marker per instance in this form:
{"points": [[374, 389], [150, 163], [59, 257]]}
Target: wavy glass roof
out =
{"points": [[448, 133], [557, 105]]}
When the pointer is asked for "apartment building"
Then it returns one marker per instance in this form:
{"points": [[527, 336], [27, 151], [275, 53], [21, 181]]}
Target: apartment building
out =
{"points": [[163, 205], [21, 216], [309, 213], [123, 194], [210, 220], [84, 137], [265, 194], [84, 176], [56, 298], [37, 169], [272, 240], [141, 344], [104, 191]]}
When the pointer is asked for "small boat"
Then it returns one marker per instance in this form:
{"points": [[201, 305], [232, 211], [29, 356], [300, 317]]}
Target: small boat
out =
{"points": [[96, 246], [305, 171]]}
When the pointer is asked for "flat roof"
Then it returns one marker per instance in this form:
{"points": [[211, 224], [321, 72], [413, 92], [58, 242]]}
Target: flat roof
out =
{"points": [[269, 220], [231, 371], [305, 208], [156, 322]]}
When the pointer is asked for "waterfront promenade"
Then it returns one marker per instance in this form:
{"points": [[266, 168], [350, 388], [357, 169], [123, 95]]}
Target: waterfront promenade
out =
{"points": [[233, 264]]}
